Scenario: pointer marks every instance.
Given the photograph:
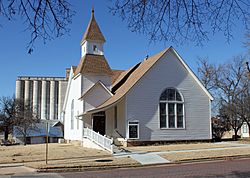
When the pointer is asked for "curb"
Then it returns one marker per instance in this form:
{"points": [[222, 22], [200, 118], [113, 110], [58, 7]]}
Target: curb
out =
{"points": [[11, 165], [219, 158], [86, 168], [95, 168]]}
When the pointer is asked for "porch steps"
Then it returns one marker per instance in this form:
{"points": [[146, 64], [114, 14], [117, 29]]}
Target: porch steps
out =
{"points": [[119, 150]]}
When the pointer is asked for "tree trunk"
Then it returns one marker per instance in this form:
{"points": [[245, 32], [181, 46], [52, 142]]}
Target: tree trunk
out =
{"points": [[6, 134], [248, 124], [25, 136], [235, 136], [24, 140]]}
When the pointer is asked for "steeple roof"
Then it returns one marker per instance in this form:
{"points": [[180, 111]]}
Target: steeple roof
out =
{"points": [[93, 31], [93, 64]]}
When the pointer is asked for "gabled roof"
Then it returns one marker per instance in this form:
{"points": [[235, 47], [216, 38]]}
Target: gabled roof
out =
{"points": [[99, 83], [93, 32], [116, 75], [123, 77], [130, 77], [139, 70], [93, 64]]}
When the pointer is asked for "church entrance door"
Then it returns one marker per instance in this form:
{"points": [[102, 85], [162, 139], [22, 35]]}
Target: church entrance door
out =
{"points": [[99, 123]]}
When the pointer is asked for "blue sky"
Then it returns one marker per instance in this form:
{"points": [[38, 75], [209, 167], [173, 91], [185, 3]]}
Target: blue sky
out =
{"points": [[123, 48]]}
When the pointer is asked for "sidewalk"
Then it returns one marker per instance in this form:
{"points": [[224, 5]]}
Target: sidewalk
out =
{"points": [[10, 169], [134, 157], [222, 150], [129, 158]]}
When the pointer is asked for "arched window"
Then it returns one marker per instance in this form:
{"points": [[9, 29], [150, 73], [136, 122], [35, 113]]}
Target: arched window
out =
{"points": [[72, 114], [171, 109]]}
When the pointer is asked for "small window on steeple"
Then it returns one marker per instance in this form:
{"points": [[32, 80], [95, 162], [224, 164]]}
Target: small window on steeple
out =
{"points": [[94, 48]]}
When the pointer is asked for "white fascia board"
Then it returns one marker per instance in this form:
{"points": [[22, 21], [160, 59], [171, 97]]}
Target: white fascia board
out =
{"points": [[192, 74], [76, 76], [111, 94], [97, 83]]}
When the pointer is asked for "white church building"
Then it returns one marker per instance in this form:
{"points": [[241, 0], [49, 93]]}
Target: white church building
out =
{"points": [[159, 99]]}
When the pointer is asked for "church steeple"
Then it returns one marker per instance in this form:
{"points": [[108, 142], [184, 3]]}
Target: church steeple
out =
{"points": [[93, 39], [93, 32]]}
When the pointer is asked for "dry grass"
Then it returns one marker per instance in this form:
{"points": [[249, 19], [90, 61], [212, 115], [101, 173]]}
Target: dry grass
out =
{"points": [[176, 147], [35, 153], [78, 163], [60, 155], [206, 154], [68, 155]]}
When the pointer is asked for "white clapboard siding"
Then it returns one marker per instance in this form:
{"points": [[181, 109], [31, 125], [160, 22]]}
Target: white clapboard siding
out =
{"points": [[143, 102], [96, 96], [74, 92]]}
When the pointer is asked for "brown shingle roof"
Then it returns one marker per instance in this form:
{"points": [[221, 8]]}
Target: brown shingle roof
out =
{"points": [[93, 31], [94, 64], [116, 75], [134, 77], [74, 68]]}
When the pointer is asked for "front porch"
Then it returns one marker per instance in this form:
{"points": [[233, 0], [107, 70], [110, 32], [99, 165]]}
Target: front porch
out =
{"points": [[106, 123], [92, 139], [101, 131]]}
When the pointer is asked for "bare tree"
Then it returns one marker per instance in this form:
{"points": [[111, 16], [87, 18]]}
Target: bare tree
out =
{"points": [[207, 73], [7, 115], [248, 70], [243, 101], [15, 115], [229, 81], [219, 127], [247, 42], [26, 120], [182, 20], [45, 19]]}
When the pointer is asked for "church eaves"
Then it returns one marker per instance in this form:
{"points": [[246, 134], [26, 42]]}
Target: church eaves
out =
{"points": [[93, 32]]}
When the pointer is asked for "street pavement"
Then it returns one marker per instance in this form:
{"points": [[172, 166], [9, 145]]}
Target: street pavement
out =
{"points": [[229, 169], [34, 175], [224, 169], [144, 158]]}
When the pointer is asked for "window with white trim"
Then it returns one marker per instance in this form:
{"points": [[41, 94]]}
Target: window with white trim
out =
{"points": [[133, 130], [244, 128], [72, 114], [171, 109]]}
